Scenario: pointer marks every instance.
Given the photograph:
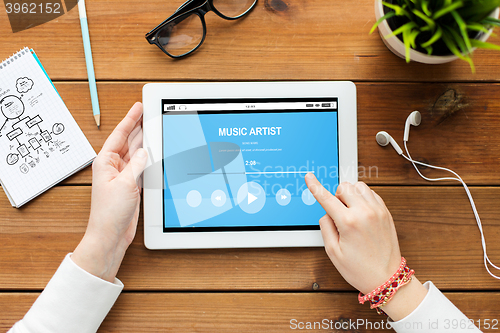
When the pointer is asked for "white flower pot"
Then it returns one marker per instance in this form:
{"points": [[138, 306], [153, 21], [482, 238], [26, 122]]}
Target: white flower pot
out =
{"points": [[398, 48]]}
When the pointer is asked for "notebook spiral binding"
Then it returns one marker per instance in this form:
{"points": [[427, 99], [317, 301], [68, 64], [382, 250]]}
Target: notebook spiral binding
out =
{"points": [[14, 57]]}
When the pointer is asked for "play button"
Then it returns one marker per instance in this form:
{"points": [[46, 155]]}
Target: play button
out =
{"points": [[251, 197]]}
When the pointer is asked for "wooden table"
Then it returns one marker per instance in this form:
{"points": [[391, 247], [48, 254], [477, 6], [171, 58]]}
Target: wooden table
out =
{"points": [[249, 290]]}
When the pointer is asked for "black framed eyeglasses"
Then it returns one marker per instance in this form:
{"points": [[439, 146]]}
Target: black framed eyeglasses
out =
{"points": [[184, 32]]}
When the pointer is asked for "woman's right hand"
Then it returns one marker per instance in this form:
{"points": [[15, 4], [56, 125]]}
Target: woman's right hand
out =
{"points": [[361, 241]]}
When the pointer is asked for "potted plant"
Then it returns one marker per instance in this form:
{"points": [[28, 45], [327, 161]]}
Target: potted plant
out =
{"points": [[436, 31]]}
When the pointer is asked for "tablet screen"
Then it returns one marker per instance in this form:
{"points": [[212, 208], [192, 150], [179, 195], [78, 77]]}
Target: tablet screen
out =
{"points": [[240, 164]]}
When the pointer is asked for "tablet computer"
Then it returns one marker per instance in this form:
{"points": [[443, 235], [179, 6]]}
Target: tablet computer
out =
{"points": [[227, 161]]}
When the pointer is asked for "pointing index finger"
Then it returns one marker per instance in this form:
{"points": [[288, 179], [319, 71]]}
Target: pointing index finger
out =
{"points": [[332, 205]]}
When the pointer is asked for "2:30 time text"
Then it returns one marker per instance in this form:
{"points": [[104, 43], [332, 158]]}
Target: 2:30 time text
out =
{"points": [[33, 8]]}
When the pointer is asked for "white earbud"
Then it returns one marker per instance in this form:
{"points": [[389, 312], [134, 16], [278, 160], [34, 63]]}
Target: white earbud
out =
{"points": [[413, 119], [383, 138]]}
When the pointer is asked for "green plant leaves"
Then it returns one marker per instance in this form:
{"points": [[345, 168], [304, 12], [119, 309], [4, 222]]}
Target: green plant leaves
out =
{"points": [[425, 8], [437, 35], [380, 20], [399, 10], [484, 45], [447, 9], [430, 24], [490, 21], [405, 28], [477, 27], [463, 29], [452, 40], [478, 10]]}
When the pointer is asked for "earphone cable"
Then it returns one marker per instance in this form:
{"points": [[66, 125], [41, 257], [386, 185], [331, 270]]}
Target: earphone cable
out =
{"points": [[469, 195]]}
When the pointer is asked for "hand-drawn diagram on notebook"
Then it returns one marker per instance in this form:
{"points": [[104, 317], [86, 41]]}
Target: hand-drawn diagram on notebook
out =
{"points": [[40, 142], [30, 138]]}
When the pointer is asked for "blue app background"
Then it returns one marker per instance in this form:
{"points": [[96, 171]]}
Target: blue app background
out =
{"points": [[199, 158]]}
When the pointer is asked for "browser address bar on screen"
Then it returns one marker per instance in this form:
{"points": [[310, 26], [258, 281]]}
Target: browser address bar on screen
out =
{"points": [[250, 106]]}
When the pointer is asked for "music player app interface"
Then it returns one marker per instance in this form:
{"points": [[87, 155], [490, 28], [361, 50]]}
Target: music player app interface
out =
{"points": [[232, 164]]}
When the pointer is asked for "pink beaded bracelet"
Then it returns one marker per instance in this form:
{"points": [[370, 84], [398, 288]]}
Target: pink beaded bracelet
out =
{"points": [[384, 293]]}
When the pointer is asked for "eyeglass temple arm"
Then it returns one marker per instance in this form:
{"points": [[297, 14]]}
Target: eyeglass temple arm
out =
{"points": [[152, 32], [181, 8], [185, 4]]}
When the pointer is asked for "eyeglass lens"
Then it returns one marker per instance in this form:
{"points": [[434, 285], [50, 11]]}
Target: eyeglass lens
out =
{"points": [[182, 35], [232, 8], [186, 32]]}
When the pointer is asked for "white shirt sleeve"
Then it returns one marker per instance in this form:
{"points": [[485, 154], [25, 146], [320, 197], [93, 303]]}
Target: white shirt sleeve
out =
{"points": [[73, 301], [435, 314]]}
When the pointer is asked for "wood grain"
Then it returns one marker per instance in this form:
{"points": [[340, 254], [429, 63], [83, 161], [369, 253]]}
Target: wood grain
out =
{"points": [[459, 127], [436, 229], [279, 40], [241, 312], [226, 290]]}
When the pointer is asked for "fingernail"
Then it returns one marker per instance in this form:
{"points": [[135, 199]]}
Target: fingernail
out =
{"points": [[310, 176], [141, 153]]}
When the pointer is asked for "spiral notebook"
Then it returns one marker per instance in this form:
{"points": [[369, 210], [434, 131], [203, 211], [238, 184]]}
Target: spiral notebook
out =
{"points": [[40, 142]]}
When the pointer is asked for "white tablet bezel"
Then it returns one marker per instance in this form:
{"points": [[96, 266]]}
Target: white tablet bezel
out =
{"points": [[155, 238]]}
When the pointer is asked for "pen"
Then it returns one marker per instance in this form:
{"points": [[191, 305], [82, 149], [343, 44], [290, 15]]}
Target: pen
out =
{"points": [[88, 60]]}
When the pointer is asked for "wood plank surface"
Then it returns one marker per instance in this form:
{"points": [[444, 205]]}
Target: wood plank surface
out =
{"points": [[459, 127], [436, 228], [279, 40], [255, 312], [248, 290]]}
